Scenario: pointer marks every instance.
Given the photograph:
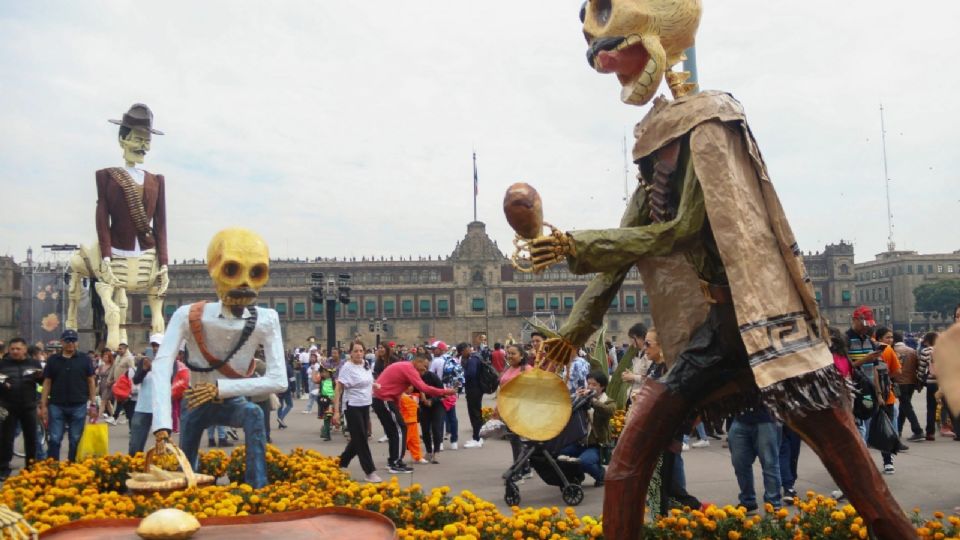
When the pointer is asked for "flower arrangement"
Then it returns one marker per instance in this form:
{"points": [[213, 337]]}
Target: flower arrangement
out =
{"points": [[616, 422], [486, 413], [52, 493]]}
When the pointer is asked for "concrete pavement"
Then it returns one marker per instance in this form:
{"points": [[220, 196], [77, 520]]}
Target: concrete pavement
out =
{"points": [[928, 475]]}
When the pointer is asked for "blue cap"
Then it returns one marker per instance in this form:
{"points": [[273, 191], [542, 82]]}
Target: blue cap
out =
{"points": [[69, 335]]}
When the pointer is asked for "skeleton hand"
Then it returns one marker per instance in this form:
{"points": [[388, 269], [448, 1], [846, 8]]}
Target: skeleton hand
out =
{"points": [[200, 394], [551, 249], [106, 274], [12, 524], [163, 281], [162, 437], [557, 353]]}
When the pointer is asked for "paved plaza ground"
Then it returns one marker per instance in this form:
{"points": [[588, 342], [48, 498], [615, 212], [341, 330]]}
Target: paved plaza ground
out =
{"points": [[928, 475]]}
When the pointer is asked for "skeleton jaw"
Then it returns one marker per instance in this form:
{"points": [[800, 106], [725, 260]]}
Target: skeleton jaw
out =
{"points": [[639, 63]]}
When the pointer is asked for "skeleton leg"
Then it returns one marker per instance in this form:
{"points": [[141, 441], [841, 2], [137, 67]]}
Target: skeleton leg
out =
{"points": [[78, 271], [157, 325], [834, 437], [655, 417], [122, 303], [111, 315]]}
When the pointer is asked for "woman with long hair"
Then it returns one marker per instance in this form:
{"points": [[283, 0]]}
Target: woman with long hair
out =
{"points": [[104, 384], [354, 395]]}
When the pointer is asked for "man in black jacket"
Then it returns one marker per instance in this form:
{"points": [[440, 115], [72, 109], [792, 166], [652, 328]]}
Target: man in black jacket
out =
{"points": [[19, 376]]}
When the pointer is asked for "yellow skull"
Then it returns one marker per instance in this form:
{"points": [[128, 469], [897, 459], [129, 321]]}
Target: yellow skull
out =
{"points": [[639, 40], [135, 146], [239, 263]]}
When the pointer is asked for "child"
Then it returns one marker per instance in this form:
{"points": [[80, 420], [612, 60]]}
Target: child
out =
{"points": [[409, 406], [325, 402]]}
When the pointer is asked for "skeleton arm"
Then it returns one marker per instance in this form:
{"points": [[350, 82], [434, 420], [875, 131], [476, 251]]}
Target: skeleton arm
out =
{"points": [[162, 368], [608, 250]]}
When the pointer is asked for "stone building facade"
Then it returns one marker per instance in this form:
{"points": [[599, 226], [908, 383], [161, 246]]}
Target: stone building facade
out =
{"points": [[886, 284], [473, 291], [9, 298]]}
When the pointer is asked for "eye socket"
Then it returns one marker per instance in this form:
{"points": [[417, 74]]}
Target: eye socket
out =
{"points": [[603, 8], [231, 269], [258, 271]]}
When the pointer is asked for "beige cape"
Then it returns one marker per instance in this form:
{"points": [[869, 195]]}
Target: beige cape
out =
{"points": [[777, 313]]}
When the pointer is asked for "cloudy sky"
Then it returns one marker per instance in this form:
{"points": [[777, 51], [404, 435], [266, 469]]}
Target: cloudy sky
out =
{"points": [[346, 128]]}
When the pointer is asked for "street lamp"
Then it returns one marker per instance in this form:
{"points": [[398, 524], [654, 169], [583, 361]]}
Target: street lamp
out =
{"points": [[330, 290]]}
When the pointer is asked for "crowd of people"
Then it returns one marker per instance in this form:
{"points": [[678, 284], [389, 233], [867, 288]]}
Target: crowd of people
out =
{"points": [[414, 391]]}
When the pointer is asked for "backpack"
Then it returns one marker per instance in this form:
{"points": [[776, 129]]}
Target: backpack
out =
{"points": [[865, 402], [122, 388], [489, 378], [452, 373]]}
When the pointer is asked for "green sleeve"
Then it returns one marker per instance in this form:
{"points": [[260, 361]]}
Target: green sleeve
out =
{"points": [[608, 250], [588, 311]]}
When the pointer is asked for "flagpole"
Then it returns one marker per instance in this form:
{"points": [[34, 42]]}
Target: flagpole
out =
{"points": [[475, 186]]}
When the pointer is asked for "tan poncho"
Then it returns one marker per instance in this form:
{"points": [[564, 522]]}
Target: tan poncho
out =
{"points": [[776, 309]]}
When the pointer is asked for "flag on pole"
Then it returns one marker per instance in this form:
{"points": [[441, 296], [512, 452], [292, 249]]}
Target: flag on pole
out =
{"points": [[476, 185]]}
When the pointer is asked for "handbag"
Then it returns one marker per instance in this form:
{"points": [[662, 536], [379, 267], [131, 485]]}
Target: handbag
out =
{"points": [[122, 388], [274, 402], [94, 442]]}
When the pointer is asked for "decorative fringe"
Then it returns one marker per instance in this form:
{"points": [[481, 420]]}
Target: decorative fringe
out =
{"points": [[817, 390]]}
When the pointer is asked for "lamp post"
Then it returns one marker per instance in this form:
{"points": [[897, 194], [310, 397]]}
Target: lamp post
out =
{"points": [[330, 290]]}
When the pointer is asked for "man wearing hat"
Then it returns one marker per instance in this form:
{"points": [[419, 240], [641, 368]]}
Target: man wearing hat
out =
{"points": [[131, 220], [69, 395]]}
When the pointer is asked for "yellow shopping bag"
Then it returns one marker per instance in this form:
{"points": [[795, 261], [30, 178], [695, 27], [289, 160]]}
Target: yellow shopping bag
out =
{"points": [[94, 442]]}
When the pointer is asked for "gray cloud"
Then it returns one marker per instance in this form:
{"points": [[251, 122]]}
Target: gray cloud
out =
{"points": [[346, 128]]}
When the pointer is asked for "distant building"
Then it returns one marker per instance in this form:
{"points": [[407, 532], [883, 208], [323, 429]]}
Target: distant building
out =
{"points": [[9, 298], [886, 284], [832, 275]]}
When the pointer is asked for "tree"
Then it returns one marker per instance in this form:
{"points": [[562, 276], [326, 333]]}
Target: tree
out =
{"points": [[940, 296]]}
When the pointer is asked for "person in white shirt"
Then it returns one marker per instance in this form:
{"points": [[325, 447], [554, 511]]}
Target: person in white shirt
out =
{"points": [[354, 395]]}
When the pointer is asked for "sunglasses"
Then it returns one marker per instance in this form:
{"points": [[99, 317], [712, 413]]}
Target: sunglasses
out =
{"points": [[70, 340]]}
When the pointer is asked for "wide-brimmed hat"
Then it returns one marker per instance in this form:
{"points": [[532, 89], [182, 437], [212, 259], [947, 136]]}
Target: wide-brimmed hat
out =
{"points": [[139, 116]]}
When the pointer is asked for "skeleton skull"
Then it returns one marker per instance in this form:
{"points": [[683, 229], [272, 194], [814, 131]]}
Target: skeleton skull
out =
{"points": [[239, 263], [135, 145], [639, 40]]}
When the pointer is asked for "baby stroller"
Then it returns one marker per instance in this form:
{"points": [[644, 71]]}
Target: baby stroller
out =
{"points": [[542, 457]]}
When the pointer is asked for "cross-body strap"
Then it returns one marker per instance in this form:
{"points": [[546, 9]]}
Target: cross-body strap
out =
{"points": [[134, 201], [223, 366]]}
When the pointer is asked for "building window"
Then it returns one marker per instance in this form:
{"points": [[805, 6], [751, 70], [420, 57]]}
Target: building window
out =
{"points": [[568, 302], [388, 307], [370, 307], [478, 304], [443, 305], [281, 308], [645, 301], [819, 295], [540, 303], [919, 268], [318, 308], [300, 309], [630, 301], [554, 302], [949, 268], [844, 269], [929, 268], [845, 296], [512, 305], [352, 308], [873, 275], [406, 306], [615, 302], [909, 269], [424, 306], [146, 311], [939, 268], [424, 329]]}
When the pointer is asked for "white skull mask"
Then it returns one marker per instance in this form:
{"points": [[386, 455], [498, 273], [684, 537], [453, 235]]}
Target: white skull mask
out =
{"points": [[239, 263]]}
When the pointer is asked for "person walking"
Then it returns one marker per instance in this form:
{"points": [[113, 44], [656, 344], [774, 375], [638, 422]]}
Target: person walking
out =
{"points": [[18, 395], [387, 390], [471, 375], [410, 411], [907, 384], [354, 394], [755, 434], [69, 392], [286, 398], [431, 414]]}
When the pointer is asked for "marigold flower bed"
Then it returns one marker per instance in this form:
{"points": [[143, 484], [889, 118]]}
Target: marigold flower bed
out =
{"points": [[51, 493]]}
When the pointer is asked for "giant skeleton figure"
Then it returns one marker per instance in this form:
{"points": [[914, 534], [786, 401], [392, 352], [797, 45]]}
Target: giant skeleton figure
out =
{"points": [[730, 298], [221, 340], [131, 248]]}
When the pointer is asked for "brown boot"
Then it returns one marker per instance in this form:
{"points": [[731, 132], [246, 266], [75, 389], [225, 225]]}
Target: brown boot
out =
{"points": [[834, 437], [655, 417]]}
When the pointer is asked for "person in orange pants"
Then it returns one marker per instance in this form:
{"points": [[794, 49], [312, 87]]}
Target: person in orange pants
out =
{"points": [[409, 407]]}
